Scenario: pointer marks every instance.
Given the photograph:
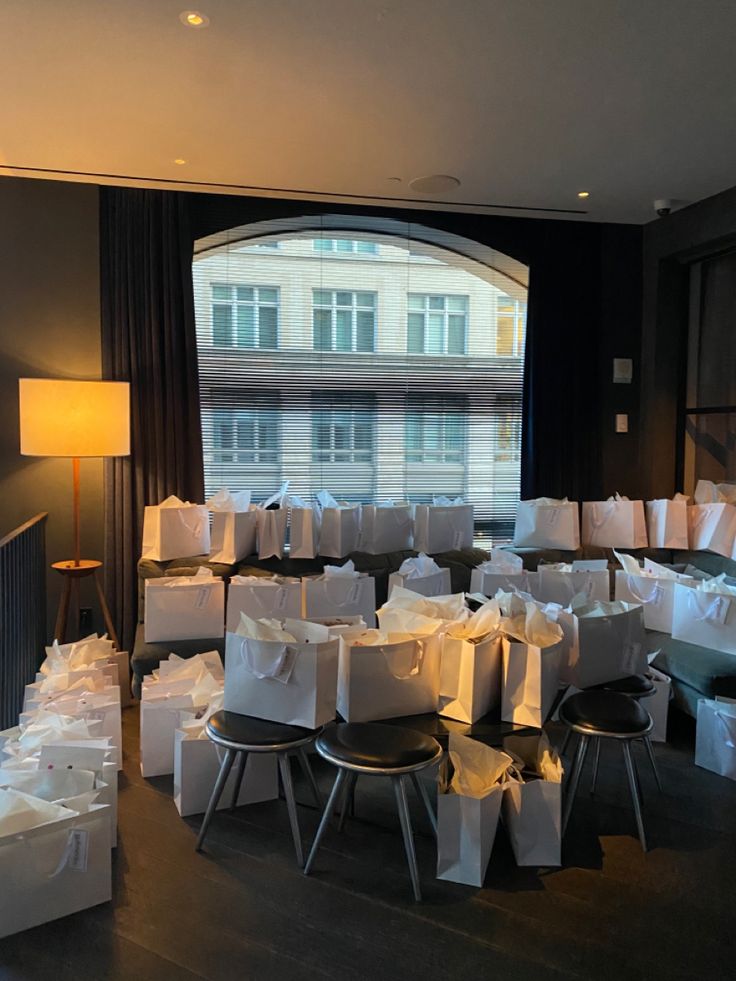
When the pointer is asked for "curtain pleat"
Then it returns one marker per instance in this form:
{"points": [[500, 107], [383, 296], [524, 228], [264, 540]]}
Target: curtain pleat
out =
{"points": [[148, 339]]}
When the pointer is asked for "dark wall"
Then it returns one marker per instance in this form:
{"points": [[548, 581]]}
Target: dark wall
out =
{"points": [[49, 327], [671, 243]]}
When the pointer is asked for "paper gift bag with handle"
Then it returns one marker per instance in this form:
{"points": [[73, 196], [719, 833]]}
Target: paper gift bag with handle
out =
{"points": [[667, 522], [385, 528], [712, 528], [471, 666], [293, 680], [559, 582], [184, 607], [54, 867], [442, 528], [90, 708], [175, 529], [532, 803], [615, 523], [706, 618], [658, 704], [532, 653], [304, 529], [602, 642], [259, 597], [715, 736], [548, 523], [340, 595], [339, 526], [384, 676], [652, 587]]}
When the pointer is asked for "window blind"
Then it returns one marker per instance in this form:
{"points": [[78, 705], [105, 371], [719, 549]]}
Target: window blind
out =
{"points": [[371, 358]]}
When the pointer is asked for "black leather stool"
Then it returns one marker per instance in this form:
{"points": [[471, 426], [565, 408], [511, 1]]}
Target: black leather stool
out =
{"points": [[606, 715], [372, 749], [242, 734]]}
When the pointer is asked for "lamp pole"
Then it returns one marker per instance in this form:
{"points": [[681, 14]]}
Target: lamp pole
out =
{"points": [[75, 479]]}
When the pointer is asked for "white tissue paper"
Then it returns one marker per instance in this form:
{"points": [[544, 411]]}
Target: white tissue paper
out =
{"points": [[422, 575]]}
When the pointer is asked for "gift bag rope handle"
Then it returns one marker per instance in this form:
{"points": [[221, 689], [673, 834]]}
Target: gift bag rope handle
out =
{"points": [[66, 853], [702, 514], [265, 607], [195, 526], [653, 597], [277, 666], [727, 725], [416, 660], [595, 522], [711, 613], [349, 600], [570, 584]]}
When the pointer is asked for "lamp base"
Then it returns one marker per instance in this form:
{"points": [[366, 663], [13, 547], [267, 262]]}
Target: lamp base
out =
{"points": [[72, 572]]}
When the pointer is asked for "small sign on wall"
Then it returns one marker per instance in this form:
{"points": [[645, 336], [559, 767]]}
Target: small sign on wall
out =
{"points": [[623, 371]]}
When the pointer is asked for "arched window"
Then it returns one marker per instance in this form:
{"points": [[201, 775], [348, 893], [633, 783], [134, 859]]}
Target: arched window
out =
{"points": [[364, 356]]}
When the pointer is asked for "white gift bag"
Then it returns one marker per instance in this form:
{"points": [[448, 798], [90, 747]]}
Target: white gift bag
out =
{"points": [[294, 682], [55, 869], [159, 719], [470, 677], [271, 532], [559, 583], [437, 584], [602, 642], [304, 529], [712, 528], [532, 807], [548, 523], [488, 583], [233, 536], [175, 529], [184, 607], [658, 704], [705, 618], [442, 528], [102, 708], [340, 529], [530, 678], [259, 597], [715, 736], [196, 765], [385, 528], [88, 757], [654, 594], [384, 678], [340, 596], [667, 522], [615, 523]]}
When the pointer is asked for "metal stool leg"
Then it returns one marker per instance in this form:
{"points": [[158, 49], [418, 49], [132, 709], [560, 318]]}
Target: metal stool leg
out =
{"points": [[309, 774], [634, 792], [565, 742], [402, 806], [596, 761], [572, 787], [217, 790], [285, 770], [652, 760], [347, 793], [339, 779], [238, 780], [422, 794]]}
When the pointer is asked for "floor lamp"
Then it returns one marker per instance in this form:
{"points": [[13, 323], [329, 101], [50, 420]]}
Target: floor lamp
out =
{"points": [[75, 419]]}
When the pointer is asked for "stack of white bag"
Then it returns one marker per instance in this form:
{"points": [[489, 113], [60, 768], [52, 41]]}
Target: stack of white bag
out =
{"points": [[705, 614], [471, 665], [615, 523], [184, 607], [712, 518], [340, 592], [92, 652], [281, 671], [421, 574], [505, 571], [176, 692], [233, 535], [197, 762], [548, 523], [653, 587]]}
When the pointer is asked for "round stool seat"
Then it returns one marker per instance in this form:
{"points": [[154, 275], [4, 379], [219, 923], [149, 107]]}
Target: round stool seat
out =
{"points": [[635, 686], [232, 729], [372, 746], [605, 713]]}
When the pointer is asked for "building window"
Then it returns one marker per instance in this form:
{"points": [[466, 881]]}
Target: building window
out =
{"points": [[508, 438], [510, 327], [343, 435], [345, 246], [245, 316], [343, 320], [435, 437], [437, 324], [242, 436]]}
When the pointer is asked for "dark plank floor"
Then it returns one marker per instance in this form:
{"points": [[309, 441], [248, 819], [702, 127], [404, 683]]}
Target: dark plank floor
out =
{"points": [[243, 910]]}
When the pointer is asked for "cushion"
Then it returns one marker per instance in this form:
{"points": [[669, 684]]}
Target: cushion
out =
{"points": [[244, 729], [605, 712], [706, 671], [635, 685], [371, 744]]}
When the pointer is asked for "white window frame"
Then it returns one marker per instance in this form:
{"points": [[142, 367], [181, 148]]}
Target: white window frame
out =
{"points": [[351, 453], [262, 451], [426, 311], [518, 314], [328, 246], [256, 303], [354, 308], [444, 455]]}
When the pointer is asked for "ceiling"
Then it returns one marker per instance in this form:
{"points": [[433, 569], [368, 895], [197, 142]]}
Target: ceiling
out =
{"points": [[526, 102]]}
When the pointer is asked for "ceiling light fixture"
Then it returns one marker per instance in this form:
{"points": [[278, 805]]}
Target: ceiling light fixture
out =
{"points": [[434, 184], [583, 194], [194, 18], [180, 161]]}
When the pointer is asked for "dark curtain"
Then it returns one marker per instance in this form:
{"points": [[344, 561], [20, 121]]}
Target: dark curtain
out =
{"points": [[148, 339]]}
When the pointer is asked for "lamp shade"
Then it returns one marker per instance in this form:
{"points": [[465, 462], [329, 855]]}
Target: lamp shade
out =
{"points": [[74, 418]]}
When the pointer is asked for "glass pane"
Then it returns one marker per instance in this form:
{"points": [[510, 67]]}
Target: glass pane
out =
{"points": [[437, 303], [413, 432], [416, 301], [267, 294], [432, 435], [267, 324], [268, 431], [363, 433], [454, 431], [457, 304], [343, 298], [342, 435], [221, 292], [505, 336], [246, 326], [344, 245], [321, 431], [435, 329], [716, 376], [365, 331], [710, 447], [456, 334], [246, 434], [322, 297], [324, 244], [505, 305], [245, 292], [344, 331], [322, 321], [365, 299], [222, 326], [368, 248], [224, 434], [415, 339]]}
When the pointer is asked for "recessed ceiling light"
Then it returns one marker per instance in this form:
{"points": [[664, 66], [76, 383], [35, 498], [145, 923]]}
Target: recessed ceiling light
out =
{"points": [[194, 18], [434, 184], [180, 161], [394, 180], [583, 194]]}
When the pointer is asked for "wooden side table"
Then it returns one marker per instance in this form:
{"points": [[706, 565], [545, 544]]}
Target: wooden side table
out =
{"points": [[72, 573]]}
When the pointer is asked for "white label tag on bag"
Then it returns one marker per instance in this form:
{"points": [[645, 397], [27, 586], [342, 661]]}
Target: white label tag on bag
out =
{"points": [[718, 610], [79, 846], [203, 598]]}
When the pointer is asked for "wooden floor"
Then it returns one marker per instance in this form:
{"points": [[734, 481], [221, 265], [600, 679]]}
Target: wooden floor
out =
{"points": [[244, 911]]}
